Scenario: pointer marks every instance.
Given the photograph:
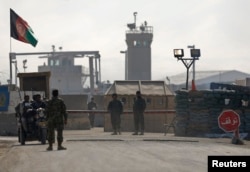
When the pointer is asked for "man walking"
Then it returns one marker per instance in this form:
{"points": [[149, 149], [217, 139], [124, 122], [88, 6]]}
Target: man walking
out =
{"points": [[56, 118], [138, 111], [115, 109]]}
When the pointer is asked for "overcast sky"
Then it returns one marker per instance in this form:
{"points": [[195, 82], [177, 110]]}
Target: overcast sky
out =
{"points": [[220, 28]]}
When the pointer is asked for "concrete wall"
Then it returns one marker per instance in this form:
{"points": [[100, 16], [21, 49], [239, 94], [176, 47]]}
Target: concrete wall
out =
{"points": [[78, 121], [8, 124], [75, 102], [154, 121]]}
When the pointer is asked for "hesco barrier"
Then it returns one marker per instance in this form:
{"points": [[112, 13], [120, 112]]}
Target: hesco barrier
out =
{"points": [[154, 120], [197, 111]]}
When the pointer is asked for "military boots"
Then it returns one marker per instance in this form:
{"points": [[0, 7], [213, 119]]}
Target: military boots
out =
{"points": [[60, 147], [50, 148]]}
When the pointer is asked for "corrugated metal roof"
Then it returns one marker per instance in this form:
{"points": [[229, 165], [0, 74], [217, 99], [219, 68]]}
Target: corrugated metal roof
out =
{"points": [[146, 88]]}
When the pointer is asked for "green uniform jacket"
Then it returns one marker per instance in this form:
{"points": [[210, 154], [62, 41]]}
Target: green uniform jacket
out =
{"points": [[56, 111]]}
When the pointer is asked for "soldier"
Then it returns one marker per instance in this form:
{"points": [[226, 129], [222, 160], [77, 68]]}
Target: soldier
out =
{"points": [[115, 109], [56, 118], [92, 106], [138, 110]]}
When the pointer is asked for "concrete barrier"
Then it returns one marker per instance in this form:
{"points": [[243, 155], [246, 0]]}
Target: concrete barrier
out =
{"points": [[78, 120], [154, 121], [8, 124]]}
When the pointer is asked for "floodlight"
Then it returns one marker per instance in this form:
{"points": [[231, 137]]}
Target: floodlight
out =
{"points": [[131, 26], [178, 53], [195, 53]]}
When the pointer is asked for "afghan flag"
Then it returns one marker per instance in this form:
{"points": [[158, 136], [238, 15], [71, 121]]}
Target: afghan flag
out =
{"points": [[20, 30]]}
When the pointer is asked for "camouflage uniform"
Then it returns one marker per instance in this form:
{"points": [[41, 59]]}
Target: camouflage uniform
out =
{"points": [[56, 117], [138, 111], [115, 108]]}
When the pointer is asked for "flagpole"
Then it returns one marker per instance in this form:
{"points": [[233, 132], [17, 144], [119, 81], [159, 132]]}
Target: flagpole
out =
{"points": [[10, 58], [15, 20]]}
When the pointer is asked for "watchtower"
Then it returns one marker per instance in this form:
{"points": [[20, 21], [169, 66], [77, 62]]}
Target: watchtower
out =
{"points": [[138, 54]]}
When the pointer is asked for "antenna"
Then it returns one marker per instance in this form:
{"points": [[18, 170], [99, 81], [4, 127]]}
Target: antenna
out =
{"points": [[135, 13], [132, 26]]}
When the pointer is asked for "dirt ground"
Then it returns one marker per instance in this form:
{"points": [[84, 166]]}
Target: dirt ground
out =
{"points": [[95, 150], [7, 142], [5, 145]]}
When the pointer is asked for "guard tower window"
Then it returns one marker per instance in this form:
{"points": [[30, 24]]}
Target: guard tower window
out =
{"points": [[51, 62], [137, 43], [57, 62], [54, 62]]}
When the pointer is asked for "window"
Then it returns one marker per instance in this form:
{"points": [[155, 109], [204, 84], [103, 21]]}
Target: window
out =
{"points": [[56, 62], [137, 43]]}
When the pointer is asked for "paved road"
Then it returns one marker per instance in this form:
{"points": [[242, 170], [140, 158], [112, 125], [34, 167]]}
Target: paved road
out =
{"points": [[97, 151]]}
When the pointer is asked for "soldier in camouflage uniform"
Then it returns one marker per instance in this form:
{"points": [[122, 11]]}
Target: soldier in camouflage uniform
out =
{"points": [[115, 109], [138, 111], [56, 118]]}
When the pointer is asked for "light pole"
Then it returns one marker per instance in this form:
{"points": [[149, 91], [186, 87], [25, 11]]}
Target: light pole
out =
{"points": [[169, 84], [126, 63], [15, 62], [179, 54], [192, 47], [12, 57], [24, 64]]}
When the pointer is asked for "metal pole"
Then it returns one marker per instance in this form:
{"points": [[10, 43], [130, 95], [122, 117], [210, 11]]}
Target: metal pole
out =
{"points": [[193, 47], [126, 65], [194, 71], [91, 75], [194, 66], [96, 72], [187, 65], [16, 72], [10, 58], [100, 79], [187, 78]]}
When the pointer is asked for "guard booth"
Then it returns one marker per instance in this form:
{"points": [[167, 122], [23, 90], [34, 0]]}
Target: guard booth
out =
{"points": [[35, 81], [158, 97]]}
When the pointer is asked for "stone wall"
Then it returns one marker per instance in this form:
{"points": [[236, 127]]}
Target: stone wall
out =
{"points": [[197, 111]]}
